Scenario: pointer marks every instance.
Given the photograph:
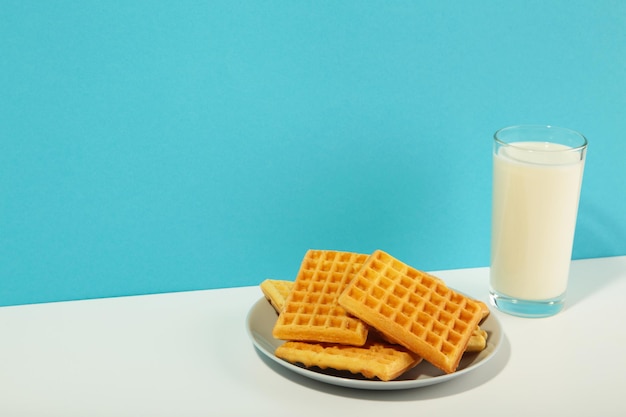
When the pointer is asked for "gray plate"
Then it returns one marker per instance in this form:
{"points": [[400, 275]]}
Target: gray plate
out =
{"points": [[260, 322]]}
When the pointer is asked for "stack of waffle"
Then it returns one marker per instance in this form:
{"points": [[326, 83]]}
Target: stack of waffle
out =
{"points": [[371, 314]]}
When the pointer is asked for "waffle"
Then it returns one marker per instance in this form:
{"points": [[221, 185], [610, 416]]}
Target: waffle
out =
{"points": [[477, 341], [484, 309], [276, 292], [373, 360], [311, 312], [413, 309]]}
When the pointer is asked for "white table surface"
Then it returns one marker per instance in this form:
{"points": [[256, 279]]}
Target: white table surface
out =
{"points": [[188, 354]]}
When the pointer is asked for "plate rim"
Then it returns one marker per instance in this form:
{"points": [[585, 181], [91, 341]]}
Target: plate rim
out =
{"points": [[258, 341]]}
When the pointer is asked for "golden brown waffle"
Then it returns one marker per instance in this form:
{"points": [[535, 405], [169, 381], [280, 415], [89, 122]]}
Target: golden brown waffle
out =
{"points": [[276, 292], [477, 341], [484, 310], [311, 312], [373, 360], [413, 309]]}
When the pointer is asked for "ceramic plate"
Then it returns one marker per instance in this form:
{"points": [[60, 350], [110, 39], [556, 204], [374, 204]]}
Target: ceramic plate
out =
{"points": [[260, 322]]}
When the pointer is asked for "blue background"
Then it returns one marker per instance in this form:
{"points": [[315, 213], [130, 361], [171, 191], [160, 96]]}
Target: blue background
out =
{"points": [[152, 146]]}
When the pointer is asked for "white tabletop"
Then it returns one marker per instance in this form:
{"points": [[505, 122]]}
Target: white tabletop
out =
{"points": [[188, 354]]}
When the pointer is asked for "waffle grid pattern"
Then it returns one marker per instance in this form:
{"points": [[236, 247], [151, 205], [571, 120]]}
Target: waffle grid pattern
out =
{"points": [[276, 291], [311, 311], [413, 309]]}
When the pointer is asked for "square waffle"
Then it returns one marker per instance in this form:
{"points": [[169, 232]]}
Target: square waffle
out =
{"points": [[311, 312], [276, 291], [373, 360], [413, 309]]}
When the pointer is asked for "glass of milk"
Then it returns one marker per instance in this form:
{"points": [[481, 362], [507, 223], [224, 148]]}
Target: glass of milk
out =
{"points": [[537, 176]]}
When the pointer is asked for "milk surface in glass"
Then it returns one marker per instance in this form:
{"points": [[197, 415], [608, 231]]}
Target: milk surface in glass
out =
{"points": [[535, 202]]}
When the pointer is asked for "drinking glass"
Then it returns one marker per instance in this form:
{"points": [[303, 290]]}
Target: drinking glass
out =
{"points": [[537, 177]]}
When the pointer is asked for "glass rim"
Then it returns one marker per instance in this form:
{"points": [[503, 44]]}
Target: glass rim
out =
{"points": [[578, 148]]}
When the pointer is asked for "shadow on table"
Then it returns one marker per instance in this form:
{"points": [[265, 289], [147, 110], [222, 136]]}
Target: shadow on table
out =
{"points": [[585, 279], [451, 387]]}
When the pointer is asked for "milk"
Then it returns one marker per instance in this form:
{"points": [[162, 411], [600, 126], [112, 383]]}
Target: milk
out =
{"points": [[535, 202]]}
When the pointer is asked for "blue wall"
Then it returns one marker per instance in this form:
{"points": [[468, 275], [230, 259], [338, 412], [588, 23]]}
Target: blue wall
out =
{"points": [[151, 146]]}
